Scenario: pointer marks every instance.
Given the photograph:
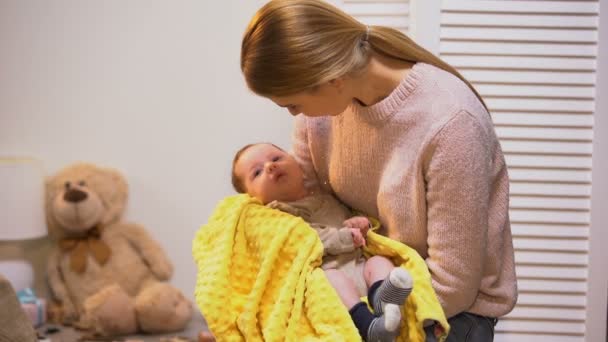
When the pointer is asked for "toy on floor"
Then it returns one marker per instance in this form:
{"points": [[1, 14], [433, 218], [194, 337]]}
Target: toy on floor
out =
{"points": [[110, 277]]}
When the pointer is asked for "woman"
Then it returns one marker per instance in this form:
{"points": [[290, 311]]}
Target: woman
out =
{"points": [[395, 132]]}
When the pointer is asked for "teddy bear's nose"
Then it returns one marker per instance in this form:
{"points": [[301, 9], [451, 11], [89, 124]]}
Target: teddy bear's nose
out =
{"points": [[74, 195]]}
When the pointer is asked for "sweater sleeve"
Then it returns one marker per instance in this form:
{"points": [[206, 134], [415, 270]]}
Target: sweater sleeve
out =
{"points": [[301, 151], [458, 179]]}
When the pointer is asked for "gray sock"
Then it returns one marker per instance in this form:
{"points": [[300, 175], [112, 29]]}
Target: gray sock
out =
{"points": [[385, 328], [394, 290]]}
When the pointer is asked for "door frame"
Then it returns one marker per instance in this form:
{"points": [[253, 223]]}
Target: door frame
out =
{"points": [[597, 282]]}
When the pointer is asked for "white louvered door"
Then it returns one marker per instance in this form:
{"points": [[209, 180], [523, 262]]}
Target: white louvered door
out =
{"points": [[534, 62]]}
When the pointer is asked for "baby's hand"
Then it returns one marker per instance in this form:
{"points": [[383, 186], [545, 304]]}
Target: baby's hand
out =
{"points": [[278, 205], [360, 222], [206, 336], [358, 239]]}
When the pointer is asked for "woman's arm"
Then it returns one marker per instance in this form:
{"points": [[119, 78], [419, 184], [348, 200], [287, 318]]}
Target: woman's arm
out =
{"points": [[458, 176]]}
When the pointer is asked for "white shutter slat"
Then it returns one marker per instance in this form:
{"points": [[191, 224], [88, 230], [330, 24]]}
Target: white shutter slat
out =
{"points": [[518, 202], [566, 162], [550, 272], [548, 189], [576, 300], [529, 77], [556, 7], [517, 48], [502, 336], [518, 20], [547, 147], [543, 119], [569, 245], [544, 133], [547, 216], [548, 258], [548, 313], [559, 286], [519, 35], [542, 326], [535, 90], [549, 230], [510, 104], [519, 62]]}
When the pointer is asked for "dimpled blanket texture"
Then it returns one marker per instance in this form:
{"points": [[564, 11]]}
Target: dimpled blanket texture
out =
{"points": [[259, 279]]}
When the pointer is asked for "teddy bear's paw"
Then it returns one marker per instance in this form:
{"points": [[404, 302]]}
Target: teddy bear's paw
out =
{"points": [[162, 308], [69, 314], [83, 323], [111, 311]]}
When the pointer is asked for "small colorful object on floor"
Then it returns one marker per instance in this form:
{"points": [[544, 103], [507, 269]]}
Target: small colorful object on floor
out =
{"points": [[34, 307]]}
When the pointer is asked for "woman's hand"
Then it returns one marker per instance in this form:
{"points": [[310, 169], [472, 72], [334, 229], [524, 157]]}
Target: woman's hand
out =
{"points": [[358, 239], [360, 222]]}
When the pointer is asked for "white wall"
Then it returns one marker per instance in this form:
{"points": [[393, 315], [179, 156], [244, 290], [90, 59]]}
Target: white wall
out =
{"points": [[152, 88]]}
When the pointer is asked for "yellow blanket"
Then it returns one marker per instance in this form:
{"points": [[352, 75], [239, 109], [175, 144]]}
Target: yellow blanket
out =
{"points": [[259, 279]]}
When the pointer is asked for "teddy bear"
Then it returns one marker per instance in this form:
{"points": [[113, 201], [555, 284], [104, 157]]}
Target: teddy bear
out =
{"points": [[109, 276]]}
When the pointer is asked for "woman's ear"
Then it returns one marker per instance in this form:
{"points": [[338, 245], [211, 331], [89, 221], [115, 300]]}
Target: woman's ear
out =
{"points": [[337, 83]]}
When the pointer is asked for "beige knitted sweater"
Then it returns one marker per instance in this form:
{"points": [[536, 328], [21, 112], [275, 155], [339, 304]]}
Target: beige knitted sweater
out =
{"points": [[425, 161]]}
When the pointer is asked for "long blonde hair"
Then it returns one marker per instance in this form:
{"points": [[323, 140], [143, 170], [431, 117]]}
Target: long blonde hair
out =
{"points": [[292, 46]]}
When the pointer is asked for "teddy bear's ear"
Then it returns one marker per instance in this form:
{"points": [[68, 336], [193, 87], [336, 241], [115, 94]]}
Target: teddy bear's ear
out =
{"points": [[114, 193]]}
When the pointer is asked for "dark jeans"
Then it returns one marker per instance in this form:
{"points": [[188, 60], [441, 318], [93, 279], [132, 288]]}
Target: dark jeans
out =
{"points": [[467, 327]]}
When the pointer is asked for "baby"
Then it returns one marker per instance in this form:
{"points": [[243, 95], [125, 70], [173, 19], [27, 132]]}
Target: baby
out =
{"points": [[273, 176]]}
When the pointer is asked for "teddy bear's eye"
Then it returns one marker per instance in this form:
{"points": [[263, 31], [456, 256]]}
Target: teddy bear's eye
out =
{"points": [[82, 183], [67, 185]]}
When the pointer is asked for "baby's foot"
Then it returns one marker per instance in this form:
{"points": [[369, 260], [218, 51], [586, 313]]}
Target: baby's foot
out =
{"points": [[385, 328], [393, 290]]}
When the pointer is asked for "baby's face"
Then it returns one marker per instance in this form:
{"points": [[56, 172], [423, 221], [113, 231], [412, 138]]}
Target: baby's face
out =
{"points": [[270, 174]]}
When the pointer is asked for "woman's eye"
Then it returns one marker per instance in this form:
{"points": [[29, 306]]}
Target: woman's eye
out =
{"points": [[256, 173], [82, 183], [67, 185], [277, 158]]}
